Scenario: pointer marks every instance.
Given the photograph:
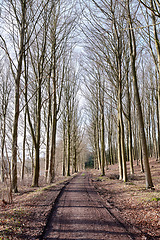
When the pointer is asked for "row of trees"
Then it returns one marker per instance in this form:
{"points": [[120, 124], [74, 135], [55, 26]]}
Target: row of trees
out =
{"points": [[121, 70], [41, 81], [39, 86]]}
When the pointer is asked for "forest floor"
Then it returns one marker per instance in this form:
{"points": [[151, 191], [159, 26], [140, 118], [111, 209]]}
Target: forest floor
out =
{"points": [[131, 203], [26, 217]]}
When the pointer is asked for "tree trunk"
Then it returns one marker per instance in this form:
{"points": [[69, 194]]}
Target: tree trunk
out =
{"points": [[48, 132], [64, 145], [148, 177], [16, 100], [119, 149], [37, 142], [95, 149], [24, 146], [153, 123], [123, 151], [130, 147], [102, 141], [121, 145], [129, 130], [53, 145], [97, 144], [15, 137], [68, 145], [149, 183], [157, 44], [141, 156], [2, 149], [54, 117]]}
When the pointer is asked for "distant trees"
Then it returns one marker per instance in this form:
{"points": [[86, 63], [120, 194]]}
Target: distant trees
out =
{"points": [[71, 123], [109, 49]]}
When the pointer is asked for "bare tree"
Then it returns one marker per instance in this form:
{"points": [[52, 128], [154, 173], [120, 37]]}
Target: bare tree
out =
{"points": [[5, 89], [17, 13], [61, 31], [149, 183]]}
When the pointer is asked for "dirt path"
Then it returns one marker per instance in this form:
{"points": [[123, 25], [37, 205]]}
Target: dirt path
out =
{"points": [[80, 214]]}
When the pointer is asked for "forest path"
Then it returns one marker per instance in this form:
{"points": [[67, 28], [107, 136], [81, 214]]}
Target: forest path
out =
{"points": [[80, 214]]}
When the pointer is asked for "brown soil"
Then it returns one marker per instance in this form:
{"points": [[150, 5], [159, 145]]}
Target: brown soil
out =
{"points": [[134, 204], [130, 202], [26, 217]]}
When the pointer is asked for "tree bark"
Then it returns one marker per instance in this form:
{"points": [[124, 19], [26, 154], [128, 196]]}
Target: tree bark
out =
{"points": [[37, 138], [148, 177], [16, 99], [129, 129], [48, 132], [102, 141], [64, 146], [24, 146], [157, 44]]}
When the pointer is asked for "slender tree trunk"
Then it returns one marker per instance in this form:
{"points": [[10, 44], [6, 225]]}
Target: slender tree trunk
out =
{"points": [[75, 159], [64, 146], [24, 146], [149, 183], [129, 130], [2, 149], [122, 158], [15, 137], [47, 147], [153, 123], [97, 144], [157, 44], [5, 98], [16, 98], [53, 146], [102, 142], [119, 149], [37, 140], [141, 156], [123, 151], [25, 114], [32, 163], [54, 118], [48, 132], [110, 133], [68, 145], [148, 177], [110, 143], [158, 124], [95, 149], [130, 147]]}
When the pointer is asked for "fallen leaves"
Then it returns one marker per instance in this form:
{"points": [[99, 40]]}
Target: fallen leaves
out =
{"points": [[138, 206]]}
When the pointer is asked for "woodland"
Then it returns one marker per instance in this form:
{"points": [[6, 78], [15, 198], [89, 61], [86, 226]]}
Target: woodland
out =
{"points": [[79, 84]]}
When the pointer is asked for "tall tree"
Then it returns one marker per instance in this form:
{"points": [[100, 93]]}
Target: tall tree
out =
{"points": [[16, 13], [5, 89], [132, 39], [63, 23]]}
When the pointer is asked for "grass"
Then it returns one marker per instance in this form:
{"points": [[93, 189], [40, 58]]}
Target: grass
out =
{"points": [[155, 199]]}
